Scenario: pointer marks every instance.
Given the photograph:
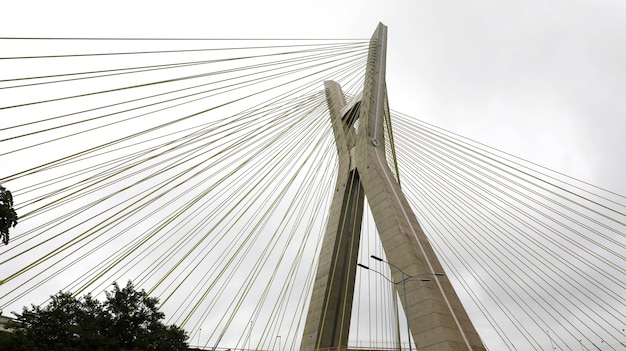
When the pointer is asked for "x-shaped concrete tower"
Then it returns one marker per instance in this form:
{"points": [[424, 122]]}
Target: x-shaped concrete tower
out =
{"points": [[437, 319]]}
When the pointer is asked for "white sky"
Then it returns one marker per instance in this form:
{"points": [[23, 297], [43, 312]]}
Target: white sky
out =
{"points": [[542, 80]]}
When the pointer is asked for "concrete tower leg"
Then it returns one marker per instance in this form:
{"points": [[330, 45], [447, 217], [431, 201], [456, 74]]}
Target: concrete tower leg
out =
{"points": [[328, 320], [437, 319]]}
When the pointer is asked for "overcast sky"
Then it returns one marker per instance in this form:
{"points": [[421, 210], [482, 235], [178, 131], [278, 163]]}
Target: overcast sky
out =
{"points": [[543, 80]]}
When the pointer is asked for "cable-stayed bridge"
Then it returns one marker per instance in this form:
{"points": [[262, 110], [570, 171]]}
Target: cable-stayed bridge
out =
{"points": [[204, 171]]}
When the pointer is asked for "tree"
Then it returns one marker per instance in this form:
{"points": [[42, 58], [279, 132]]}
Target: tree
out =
{"points": [[8, 217], [127, 320]]}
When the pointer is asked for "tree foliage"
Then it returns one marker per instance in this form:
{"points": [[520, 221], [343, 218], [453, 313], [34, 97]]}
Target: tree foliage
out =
{"points": [[127, 320], [8, 216]]}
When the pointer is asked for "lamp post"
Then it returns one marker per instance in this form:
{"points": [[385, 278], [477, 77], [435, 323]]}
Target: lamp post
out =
{"points": [[405, 278]]}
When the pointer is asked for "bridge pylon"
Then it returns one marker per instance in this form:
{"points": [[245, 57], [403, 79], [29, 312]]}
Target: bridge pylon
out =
{"points": [[437, 319]]}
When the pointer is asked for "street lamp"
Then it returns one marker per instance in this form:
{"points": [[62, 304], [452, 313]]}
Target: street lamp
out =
{"points": [[405, 278]]}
